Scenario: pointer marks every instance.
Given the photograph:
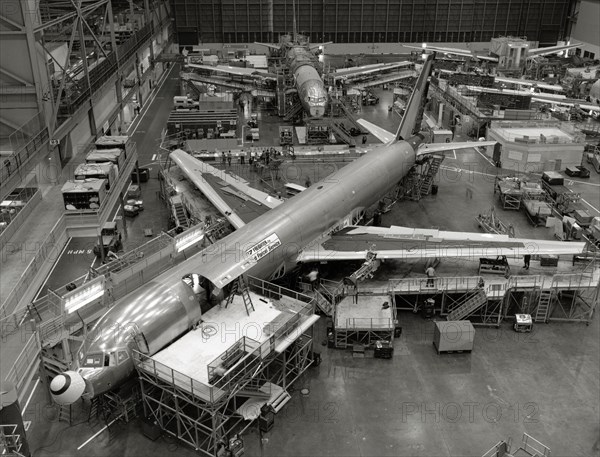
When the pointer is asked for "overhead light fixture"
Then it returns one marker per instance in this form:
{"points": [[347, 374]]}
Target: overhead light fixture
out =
{"points": [[79, 298], [187, 239]]}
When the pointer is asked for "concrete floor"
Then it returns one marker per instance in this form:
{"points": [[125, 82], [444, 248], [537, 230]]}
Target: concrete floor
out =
{"points": [[418, 403]]}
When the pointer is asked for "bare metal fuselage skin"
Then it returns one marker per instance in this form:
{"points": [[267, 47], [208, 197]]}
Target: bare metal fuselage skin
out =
{"points": [[166, 307], [309, 84]]}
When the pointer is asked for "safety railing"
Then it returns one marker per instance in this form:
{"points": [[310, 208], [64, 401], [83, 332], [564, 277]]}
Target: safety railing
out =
{"points": [[47, 252], [25, 365], [369, 323], [269, 290], [176, 379]]}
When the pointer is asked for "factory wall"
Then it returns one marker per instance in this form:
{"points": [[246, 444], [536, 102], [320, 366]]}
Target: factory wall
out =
{"points": [[370, 21], [585, 29], [536, 157]]}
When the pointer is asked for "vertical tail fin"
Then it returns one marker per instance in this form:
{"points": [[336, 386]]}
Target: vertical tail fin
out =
{"points": [[413, 114]]}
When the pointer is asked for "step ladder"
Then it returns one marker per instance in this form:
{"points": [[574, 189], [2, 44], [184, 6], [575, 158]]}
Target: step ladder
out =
{"points": [[241, 287], [97, 409], [65, 413], [471, 304], [345, 137], [280, 400], [543, 308]]}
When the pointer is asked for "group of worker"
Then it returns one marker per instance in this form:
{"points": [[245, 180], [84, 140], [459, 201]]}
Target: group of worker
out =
{"points": [[265, 156]]}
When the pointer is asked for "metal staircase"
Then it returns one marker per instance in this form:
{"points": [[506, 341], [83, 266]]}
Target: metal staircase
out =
{"points": [[472, 303], [239, 286], [323, 303], [179, 213], [543, 308], [342, 134], [427, 176]]}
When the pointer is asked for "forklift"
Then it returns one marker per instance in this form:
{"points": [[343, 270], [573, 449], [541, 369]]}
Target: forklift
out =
{"points": [[111, 240]]}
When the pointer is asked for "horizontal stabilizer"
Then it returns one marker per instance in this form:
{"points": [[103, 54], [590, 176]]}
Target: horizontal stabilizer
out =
{"points": [[382, 134], [441, 147]]}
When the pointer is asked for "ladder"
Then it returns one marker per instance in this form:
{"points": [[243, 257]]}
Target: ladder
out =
{"points": [[65, 413], [470, 305], [240, 286], [543, 308]]}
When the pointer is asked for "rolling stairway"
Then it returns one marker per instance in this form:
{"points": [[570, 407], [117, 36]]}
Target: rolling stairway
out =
{"points": [[179, 213], [543, 308], [294, 111], [473, 302], [342, 134], [426, 181], [241, 287], [323, 303]]}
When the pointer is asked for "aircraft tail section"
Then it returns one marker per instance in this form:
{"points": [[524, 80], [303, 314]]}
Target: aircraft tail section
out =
{"points": [[411, 121]]}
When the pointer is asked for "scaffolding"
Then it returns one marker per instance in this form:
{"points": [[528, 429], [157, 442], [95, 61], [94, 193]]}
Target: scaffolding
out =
{"points": [[206, 415], [558, 298]]}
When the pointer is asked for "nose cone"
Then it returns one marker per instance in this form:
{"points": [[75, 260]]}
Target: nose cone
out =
{"points": [[317, 111], [67, 388]]}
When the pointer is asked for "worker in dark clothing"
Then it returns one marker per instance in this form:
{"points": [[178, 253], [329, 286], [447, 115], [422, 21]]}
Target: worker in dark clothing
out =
{"points": [[229, 158], [377, 218], [526, 260], [364, 140]]}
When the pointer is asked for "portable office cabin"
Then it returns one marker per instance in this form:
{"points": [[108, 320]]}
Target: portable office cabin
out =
{"points": [[84, 195], [115, 155], [108, 171], [123, 142]]}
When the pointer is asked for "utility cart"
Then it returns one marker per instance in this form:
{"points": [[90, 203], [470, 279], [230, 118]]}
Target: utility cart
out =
{"points": [[523, 323]]}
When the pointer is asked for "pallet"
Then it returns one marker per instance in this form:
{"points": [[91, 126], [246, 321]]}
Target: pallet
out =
{"points": [[451, 352]]}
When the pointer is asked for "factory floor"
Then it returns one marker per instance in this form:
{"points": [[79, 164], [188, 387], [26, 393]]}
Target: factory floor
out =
{"points": [[418, 403]]}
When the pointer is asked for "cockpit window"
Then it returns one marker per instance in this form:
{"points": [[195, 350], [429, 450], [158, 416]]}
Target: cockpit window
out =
{"points": [[122, 356], [316, 99], [106, 359], [94, 360]]}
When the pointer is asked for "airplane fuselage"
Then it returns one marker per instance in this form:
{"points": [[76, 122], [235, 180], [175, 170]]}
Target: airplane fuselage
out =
{"points": [[310, 86], [151, 317]]}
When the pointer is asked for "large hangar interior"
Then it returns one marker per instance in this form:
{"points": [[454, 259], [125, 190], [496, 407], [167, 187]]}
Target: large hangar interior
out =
{"points": [[300, 228]]}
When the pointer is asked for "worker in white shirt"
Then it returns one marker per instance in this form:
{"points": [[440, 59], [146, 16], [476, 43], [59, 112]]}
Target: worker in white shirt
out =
{"points": [[313, 278], [430, 272]]}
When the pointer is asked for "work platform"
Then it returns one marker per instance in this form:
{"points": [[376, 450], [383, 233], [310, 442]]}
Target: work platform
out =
{"points": [[364, 319], [208, 386]]}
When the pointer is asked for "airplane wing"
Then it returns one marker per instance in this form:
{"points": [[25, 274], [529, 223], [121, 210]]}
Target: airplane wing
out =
{"points": [[380, 133], [551, 49], [269, 45], [454, 51], [234, 198], [353, 243], [318, 45], [348, 73], [254, 88], [236, 71]]}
